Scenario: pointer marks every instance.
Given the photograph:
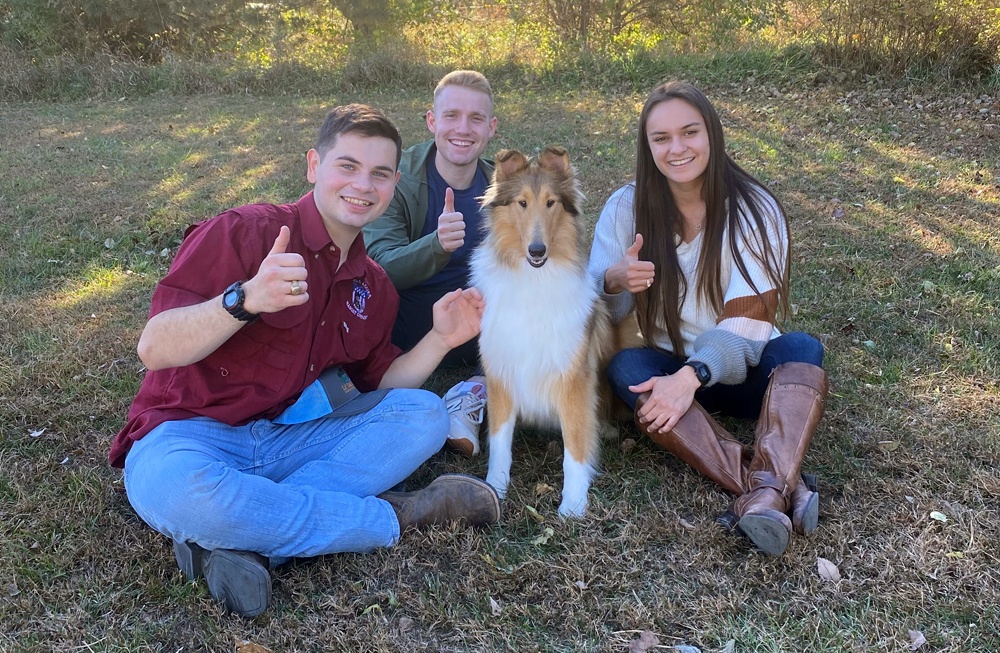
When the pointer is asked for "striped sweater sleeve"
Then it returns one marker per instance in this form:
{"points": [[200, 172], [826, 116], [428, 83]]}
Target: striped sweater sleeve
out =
{"points": [[613, 234], [747, 321]]}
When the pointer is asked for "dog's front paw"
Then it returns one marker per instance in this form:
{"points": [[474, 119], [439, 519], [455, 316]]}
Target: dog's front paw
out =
{"points": [[573, 509], [499, 483]]}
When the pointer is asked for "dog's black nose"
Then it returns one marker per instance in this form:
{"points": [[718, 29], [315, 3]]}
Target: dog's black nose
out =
{"points": [[536, 250]]}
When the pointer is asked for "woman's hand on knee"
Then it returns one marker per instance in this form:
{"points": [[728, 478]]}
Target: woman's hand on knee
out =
{"points": [[670, 397]]}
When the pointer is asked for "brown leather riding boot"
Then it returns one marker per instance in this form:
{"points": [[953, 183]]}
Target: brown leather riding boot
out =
{"points": [[702, 443], [804, 510], [792, 409], [805, 505], [450, 497]]}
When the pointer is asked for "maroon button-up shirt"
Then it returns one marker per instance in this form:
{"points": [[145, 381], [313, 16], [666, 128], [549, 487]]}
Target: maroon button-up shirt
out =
{"points": [[263, 368]]}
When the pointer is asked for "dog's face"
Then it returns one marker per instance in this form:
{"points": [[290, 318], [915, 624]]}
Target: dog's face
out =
{"points": [[533, 208]]}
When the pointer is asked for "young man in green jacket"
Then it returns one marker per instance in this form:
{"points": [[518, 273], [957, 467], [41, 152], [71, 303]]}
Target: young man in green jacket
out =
{"points": [[425, 237]]}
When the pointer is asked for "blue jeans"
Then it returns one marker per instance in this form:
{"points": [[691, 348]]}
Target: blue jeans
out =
{"points": [[284, 491], [633, 366]]}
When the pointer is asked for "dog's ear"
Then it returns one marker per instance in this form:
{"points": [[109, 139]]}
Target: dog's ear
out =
{"points": [[555, 159], [509, 163]]}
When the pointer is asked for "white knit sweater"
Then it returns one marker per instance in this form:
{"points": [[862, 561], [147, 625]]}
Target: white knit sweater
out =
{"points": [[728, 343]]}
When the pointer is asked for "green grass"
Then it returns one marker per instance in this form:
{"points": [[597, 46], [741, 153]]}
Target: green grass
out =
{"points": [[896, 266]]}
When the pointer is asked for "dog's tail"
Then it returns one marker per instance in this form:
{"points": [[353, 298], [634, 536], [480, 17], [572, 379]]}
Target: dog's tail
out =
{"points": [[609, 340]]}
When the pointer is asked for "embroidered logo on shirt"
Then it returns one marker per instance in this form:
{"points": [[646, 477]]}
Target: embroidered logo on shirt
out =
{"points": [[359, 299]]}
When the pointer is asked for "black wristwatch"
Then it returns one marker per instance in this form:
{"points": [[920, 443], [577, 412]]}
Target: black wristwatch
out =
{"points": [[701, 371], [232, 301]]}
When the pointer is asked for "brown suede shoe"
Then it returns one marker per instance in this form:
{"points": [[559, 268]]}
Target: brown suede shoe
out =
{"points": [[451, 497]]}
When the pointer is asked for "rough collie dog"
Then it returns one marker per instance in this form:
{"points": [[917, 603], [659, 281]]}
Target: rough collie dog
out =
{"points": [[546, 334]]}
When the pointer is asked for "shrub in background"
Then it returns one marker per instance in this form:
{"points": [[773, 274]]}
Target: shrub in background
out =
{"points": [[922, 38]]}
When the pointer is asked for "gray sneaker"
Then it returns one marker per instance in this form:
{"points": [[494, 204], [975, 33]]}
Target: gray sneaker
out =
{"points": [[466, 403]]}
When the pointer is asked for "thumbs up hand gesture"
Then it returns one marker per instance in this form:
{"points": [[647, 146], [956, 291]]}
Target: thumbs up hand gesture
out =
{"points": [[451, 224], [280, 281], [630, 273]]}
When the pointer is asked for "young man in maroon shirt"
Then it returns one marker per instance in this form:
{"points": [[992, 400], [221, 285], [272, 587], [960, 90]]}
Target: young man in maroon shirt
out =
{"points": [[272, 378]]}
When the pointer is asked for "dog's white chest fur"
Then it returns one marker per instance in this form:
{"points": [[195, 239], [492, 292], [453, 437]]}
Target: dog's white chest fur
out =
{"points": [[534, 327]]}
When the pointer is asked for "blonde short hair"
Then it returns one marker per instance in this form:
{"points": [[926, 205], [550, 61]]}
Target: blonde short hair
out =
{"points": [[465, 79]]}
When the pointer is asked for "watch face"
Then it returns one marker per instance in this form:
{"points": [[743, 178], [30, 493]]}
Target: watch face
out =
{"points": [[700, 371], [230, 299]]}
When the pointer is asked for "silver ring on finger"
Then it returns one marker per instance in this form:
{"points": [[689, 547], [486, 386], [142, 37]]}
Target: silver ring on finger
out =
{"points": [[296, 288], [649, 282]]}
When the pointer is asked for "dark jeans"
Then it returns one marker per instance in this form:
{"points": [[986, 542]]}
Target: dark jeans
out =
{"points": [[633, 366], [415, 319]]}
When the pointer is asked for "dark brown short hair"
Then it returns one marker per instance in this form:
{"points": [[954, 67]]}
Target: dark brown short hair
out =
{"points": [[357, 118]]}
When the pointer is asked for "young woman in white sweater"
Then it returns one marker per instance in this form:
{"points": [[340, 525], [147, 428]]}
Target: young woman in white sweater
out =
{"points": [[698, 248]]}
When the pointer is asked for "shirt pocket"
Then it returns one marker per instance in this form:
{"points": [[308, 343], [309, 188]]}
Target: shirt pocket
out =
{"points": [[276, 348], [359, 339]]}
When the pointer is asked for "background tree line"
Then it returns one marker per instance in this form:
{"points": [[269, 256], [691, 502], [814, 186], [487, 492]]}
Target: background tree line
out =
{"points": [[950, 38]]}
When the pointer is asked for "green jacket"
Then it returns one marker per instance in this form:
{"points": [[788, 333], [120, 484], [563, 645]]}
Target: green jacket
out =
{"points": [[394, 240]]}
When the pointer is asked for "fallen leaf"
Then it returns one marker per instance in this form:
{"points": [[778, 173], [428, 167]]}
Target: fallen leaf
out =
{"points": [[495, 607], [684, 648], [870, 344], [534, 514], [582, 585], [730, 647], [888, 445], [838, 212], [35, 434], [917, 640], [543, 488], [928, 286], [958, 555], [827, 570], [405, 624], [243, 646], [643, 643], [939, 516], [685, 524], [627, 445], [544, 537]]}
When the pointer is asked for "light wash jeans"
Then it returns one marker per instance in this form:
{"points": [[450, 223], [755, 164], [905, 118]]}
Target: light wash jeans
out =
{"points": [[284, 491]]}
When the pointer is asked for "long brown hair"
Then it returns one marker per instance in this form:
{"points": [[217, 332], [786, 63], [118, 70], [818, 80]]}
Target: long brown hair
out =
{"points": [[725, 188]]}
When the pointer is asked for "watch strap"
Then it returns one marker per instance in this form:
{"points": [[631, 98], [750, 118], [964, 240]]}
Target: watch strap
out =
{"points": [[701, 371]]}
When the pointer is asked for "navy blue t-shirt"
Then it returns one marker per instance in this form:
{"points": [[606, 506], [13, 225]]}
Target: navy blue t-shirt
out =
{"points": [[456, 273]]}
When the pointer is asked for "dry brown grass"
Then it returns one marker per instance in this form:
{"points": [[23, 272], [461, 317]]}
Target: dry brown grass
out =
{"points": [[897, 261]]}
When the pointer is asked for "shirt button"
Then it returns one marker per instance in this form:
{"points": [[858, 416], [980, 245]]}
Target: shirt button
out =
{"points": [[315, 255], [312, 367], [323, 323]]}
